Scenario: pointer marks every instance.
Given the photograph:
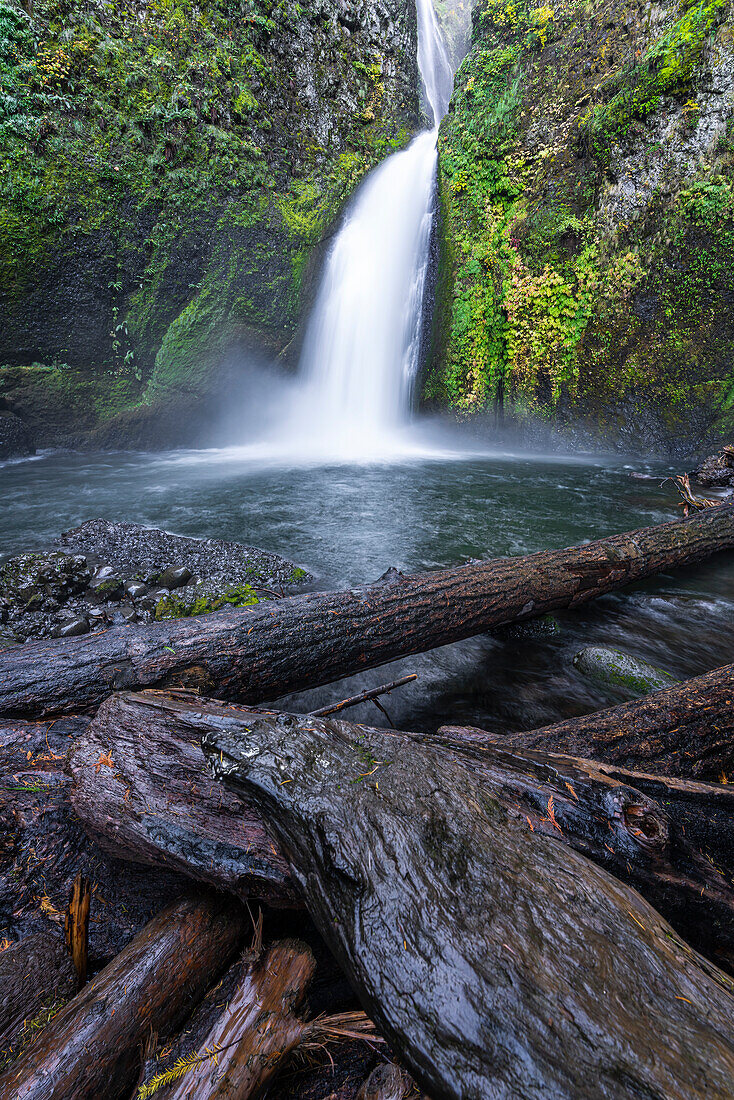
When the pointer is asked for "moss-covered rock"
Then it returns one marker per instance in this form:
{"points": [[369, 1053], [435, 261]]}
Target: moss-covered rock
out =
{"points": [[167, 175], [621, 671], [587, 194]]}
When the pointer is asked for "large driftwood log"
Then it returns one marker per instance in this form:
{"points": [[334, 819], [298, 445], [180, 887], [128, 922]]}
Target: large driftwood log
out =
{"points": [[313, 639], [499, 963], [672, 839], [142, 789], [93, 1047], [686, 730]]}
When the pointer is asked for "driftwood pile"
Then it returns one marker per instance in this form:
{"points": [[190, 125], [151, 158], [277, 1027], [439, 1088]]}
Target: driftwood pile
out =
{"points": [[540, 914]]}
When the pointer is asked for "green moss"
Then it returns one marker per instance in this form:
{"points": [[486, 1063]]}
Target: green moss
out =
{"points": [[544, 308], [167, 146], [176, 606]]}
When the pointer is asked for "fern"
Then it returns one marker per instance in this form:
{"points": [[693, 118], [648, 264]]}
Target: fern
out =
{"points": [[179, 1069]]}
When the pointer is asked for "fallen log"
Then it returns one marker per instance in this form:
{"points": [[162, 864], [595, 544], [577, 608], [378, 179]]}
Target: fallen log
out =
{"points": [[93, 1046], [498, 962], [671, 839], [35, 974], [254, 1035], [686, 731], [142, 790], [43, 847], [303, 641]]}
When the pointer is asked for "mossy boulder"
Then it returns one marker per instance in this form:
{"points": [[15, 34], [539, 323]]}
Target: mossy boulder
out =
{"points": [[621, 671], [587, 196], [192, 601]]}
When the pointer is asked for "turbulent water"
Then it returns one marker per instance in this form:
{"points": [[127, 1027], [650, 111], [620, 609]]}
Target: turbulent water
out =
{"points": [[349, 523]]}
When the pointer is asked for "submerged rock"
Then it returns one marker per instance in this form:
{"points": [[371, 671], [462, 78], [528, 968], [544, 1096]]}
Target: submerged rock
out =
{"points": [[97, 566], [613, 668]]}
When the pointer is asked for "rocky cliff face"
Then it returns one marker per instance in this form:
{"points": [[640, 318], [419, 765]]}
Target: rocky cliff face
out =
{"points": [[168, 173], [588, 221]]}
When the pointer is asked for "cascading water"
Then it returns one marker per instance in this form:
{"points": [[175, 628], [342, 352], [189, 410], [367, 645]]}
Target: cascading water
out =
{"points": [[362, 346]]}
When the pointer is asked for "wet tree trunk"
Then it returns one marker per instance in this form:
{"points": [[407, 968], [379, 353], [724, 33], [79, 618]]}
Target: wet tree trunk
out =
{"points": [[290, 644], [671, 839], [257, 1031], [36, 973], [142, 790], [93, 1046], [686, 730], [499, 962]]}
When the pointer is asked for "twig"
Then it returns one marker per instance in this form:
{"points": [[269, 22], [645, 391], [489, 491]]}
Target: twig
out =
{"points": [[363, 697]]}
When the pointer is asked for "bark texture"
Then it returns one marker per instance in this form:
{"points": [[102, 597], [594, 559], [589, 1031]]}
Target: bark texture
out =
{"points": [[44, 846], [498, 962], [93, 1046], [35, 973], [671, 839], [143, 791], [257, 1031], [290, 644], [686, 731]]}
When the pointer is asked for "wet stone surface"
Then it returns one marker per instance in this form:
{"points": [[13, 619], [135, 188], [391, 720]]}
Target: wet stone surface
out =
{"points": [[103, 573]]}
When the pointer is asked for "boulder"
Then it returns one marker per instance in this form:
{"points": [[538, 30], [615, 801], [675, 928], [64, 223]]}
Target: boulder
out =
{"points": [[717, 469], [613, 668], [15, 440]]}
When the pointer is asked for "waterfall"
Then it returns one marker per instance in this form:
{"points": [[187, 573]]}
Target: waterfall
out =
{"points": [[361, 352]]}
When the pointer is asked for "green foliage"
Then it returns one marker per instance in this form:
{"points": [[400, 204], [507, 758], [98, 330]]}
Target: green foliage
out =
{"points": [[545, 305], [176, 606], [668, 68], [134, 132]]}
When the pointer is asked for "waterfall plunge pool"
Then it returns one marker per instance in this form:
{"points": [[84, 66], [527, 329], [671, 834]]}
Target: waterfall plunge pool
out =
{"points": [[348, 523]]}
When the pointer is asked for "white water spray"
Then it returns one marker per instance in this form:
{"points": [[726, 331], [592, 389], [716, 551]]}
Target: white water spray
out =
{"points": [[362, 347]]}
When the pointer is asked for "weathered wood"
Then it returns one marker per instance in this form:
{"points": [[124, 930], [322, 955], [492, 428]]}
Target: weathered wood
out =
{"points": [[686, 730], [43, 847], [285, 645], [92, 1048], [671, 839], [35, 973], [498, 962], [76, 926], [257, 1031], [143, 792]]}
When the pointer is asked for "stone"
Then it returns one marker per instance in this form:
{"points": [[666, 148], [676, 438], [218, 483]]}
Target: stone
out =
{"points": [[15, 439], [72, 628], [135, 589], [175, 577], [613, 668], [717, 469]]}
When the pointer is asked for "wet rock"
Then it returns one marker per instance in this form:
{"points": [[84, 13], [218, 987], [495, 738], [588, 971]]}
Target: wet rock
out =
{"points": [[175, 578], [144, 553], [8, 639], [613, 668], [15, 439], [135, 589], [74, 627], [547, 626], [717, 469], [102, 573]]}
